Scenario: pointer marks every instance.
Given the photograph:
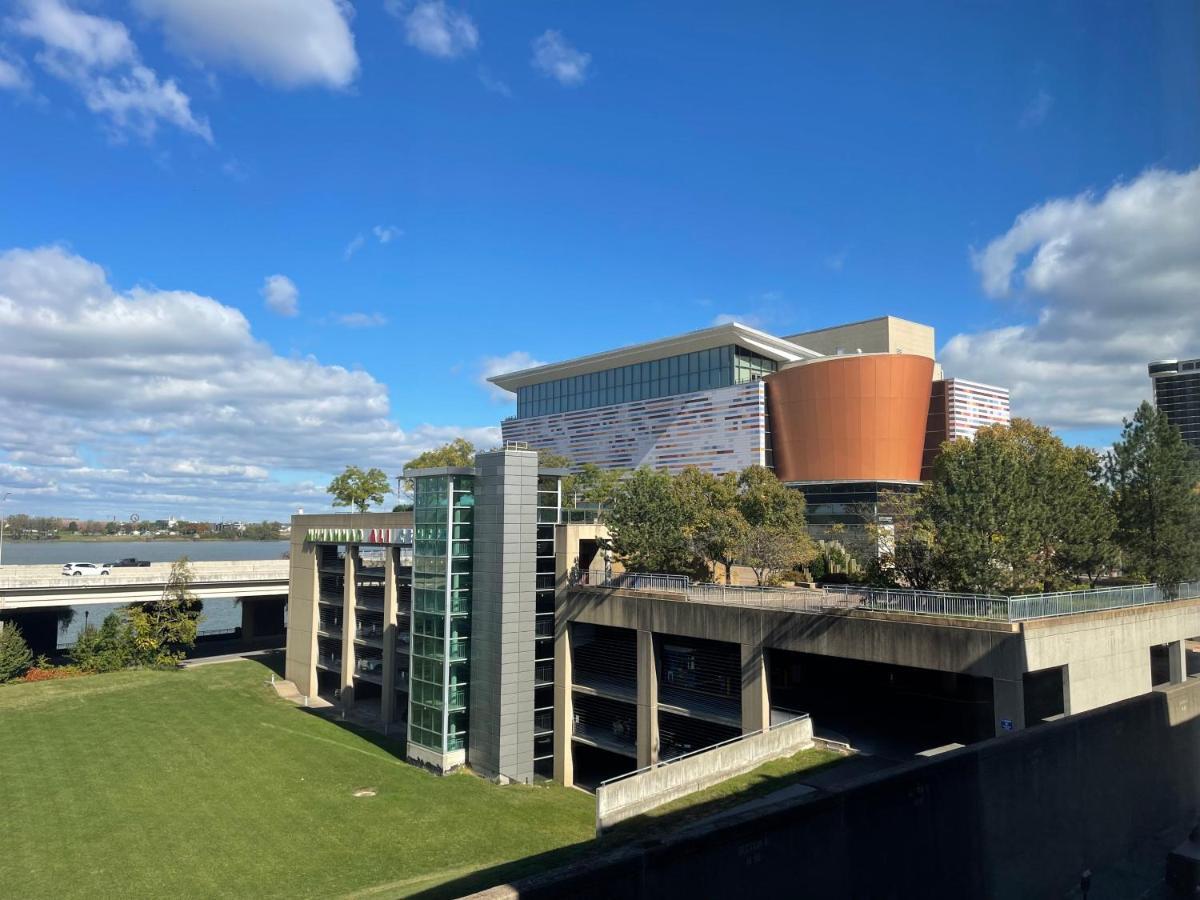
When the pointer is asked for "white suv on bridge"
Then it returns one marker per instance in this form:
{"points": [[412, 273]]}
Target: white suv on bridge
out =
{"points": [[84, 569]]}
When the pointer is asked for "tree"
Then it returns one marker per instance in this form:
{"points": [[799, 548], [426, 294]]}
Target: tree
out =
{"points": [[591, 484], [717, 528], [359, 489], [15, 656], [459, 452], [104, 649], [649, 527], [164, 630], [1007, 508], [906, 540], [1154, 477], [771, 550], [548, 459]]}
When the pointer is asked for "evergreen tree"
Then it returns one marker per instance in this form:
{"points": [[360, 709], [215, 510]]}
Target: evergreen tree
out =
{"points": [[1154, 478], [104, 649], [15, 656]]}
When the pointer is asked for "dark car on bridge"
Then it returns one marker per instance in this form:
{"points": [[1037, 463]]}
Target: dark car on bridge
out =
{"points": [[129, 563]]}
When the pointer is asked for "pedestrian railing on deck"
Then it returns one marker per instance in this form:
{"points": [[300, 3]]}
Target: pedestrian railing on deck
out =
{"points": [[830, 598]]}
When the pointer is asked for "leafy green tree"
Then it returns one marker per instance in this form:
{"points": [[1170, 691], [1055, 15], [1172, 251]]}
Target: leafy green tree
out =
{"points": [[771, 550], [717, 528], [1005, 506], [591, 484], [765, 500], [15, 656], [548, 459], [358, 488], [104, 649], [459, 452], [1154, 478], [906, 540], [164, 630], [649, 527]]}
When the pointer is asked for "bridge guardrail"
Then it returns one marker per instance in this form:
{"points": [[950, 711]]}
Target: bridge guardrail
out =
{"points": [[248, 573]]}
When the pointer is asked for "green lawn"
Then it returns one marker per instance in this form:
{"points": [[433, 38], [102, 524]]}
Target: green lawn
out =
{"points": [[201, 783]]}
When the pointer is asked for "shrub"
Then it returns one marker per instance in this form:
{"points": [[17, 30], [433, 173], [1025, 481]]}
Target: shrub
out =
{"points": [[15, 657]]}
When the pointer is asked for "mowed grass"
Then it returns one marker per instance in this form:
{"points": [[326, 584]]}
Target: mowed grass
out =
{"points": [[202, 783]]}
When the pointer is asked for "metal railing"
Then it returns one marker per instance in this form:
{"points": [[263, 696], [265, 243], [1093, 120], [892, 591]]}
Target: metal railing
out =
{"points": [[985, 607]]}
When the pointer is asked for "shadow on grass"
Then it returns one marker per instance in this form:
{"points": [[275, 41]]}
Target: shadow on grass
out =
{"points": [[642, 831]]}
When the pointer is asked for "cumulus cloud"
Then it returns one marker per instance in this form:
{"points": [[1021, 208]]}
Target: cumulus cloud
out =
{"points": [[281, 295], [436, 29], [490, 366], [555, 58], [156, 401], [754, 320], [1108, 281], [290, 43], [362, 320], [99, 59]]}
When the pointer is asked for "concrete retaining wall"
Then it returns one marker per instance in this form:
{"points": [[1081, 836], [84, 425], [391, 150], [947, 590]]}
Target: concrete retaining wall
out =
{"points": [[640, 793], [1019, 816]]}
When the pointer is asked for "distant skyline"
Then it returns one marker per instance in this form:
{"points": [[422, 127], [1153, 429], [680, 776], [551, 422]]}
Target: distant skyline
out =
{"points": [[244, 244]]}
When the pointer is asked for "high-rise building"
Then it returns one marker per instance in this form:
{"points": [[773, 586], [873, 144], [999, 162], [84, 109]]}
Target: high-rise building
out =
{"points": [[438, 611], [1177, 395]]}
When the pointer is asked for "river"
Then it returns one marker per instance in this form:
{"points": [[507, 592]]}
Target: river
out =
{"points": [[220, 616]]}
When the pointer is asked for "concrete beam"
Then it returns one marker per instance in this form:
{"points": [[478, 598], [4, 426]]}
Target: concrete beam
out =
{"points": [[1177, 658], [564, 705]]}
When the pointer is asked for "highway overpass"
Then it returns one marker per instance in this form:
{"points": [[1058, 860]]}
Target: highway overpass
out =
{"points": [[44, 587]]}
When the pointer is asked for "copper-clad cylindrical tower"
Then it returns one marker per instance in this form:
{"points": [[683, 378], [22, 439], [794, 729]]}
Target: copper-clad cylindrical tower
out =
{"points": [[857, 417]]}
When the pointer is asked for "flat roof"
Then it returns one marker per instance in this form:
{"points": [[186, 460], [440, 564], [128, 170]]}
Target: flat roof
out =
{"points": [[778, 349]]}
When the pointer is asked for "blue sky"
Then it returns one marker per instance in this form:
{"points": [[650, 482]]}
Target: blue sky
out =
{"points": [[790, 165]]}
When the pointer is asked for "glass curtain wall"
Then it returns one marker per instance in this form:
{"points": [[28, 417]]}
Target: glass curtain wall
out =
{"points": [[701, 370], [443, 522]]}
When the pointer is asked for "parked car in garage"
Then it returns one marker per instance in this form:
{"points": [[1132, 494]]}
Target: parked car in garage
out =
{"points": [[84, 568]]}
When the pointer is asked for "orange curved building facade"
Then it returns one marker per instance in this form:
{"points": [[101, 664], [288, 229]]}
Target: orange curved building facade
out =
{"points": [[851, 418]]}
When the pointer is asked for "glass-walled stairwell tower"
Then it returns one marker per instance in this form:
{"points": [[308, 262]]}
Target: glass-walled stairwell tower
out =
{"points": [[443, 522]]}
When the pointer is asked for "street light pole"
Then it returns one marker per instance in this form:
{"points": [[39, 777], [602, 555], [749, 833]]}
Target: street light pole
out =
{"points": [[2, 524]]}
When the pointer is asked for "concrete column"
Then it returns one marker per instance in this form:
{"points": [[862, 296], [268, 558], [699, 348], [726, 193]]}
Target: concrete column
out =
{"points": [[388, 700], [303, 588], [756, 702], [248, 609], [1177, 658], [1008, 705], [349, 624], [564, 705], [647, 700]]}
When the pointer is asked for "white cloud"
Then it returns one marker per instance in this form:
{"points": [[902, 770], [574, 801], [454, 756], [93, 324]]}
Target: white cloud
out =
{"points": [[493, 84], [491, 366], [1111, 282], [281, 295], [362, 320], [557, 59], [436, 29], [154, 401], [12, 75], [1036, 111], [384, 234], [356, 244], [99, 59], [754, 320], [291, 43]]}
